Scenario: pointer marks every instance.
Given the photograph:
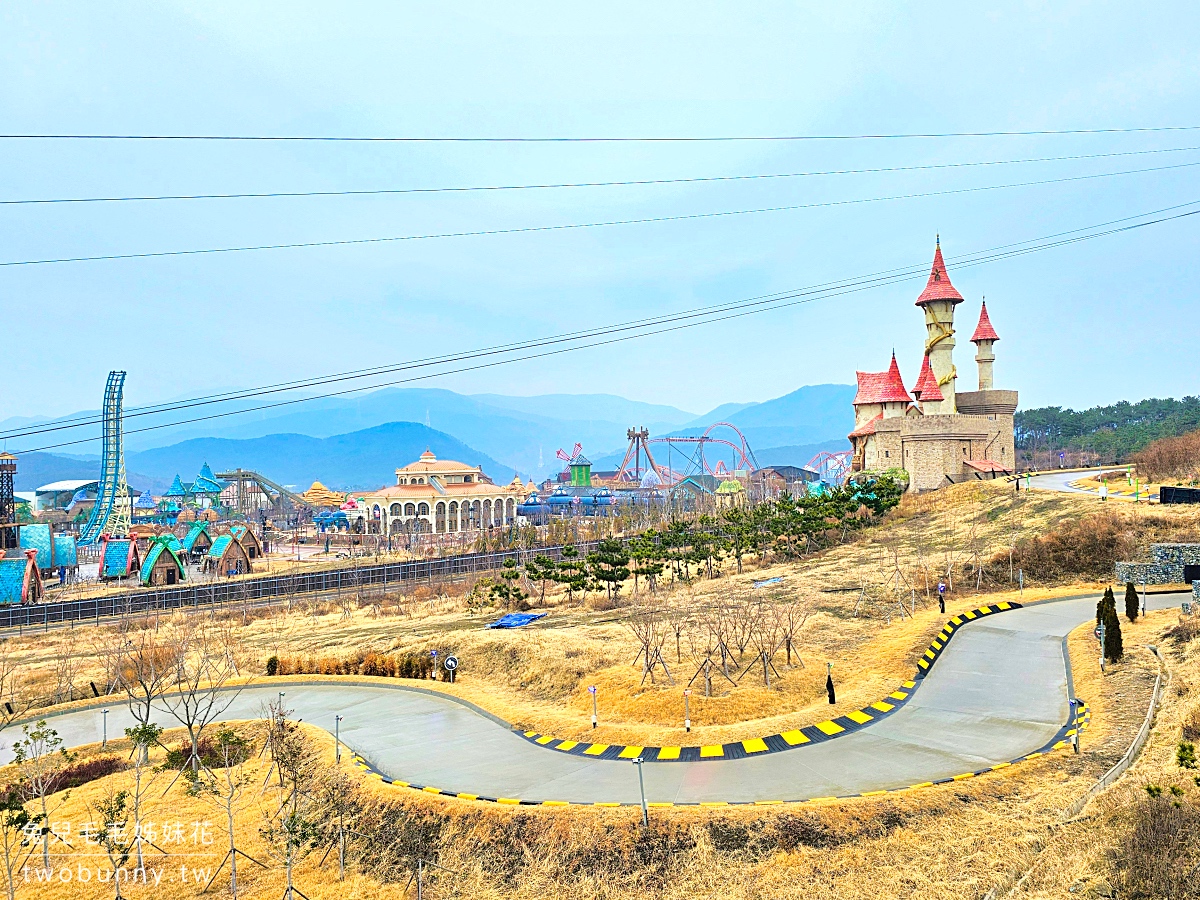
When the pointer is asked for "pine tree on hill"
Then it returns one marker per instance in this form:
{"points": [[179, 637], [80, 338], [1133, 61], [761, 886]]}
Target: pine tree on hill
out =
{"points": [[1131, 601], [1114, 645]]}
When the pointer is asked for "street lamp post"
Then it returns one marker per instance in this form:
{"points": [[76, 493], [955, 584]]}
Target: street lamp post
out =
{"points": [[592, 691], [687, 716], [337, 739], [104, 719], [642, 788]]}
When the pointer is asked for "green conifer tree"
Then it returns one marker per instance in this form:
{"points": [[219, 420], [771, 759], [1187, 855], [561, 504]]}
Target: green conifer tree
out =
{"points": [[1131, 601], [1114, 646]]}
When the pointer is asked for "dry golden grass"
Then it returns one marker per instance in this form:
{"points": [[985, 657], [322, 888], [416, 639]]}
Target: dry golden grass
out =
{"points": [[950, 841], [537, 676]]}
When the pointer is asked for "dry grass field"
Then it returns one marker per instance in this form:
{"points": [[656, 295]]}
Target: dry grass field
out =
{"points": [[1004, 831]]}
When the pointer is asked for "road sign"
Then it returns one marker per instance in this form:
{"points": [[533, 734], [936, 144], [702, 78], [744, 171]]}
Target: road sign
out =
{"points": [[450, 662]]}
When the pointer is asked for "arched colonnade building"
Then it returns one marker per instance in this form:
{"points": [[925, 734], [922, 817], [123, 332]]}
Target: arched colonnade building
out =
{"points": [[439, 497]]}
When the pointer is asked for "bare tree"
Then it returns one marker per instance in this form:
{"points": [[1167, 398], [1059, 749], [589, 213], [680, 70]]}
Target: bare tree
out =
{"points": [[790, 618], [143, 737], [111, 834], [145, 668], [14, 820], [226, 790], [290, 830], [197, 695], [12, 705], [66, 668], [649, 627], [41, 758]]}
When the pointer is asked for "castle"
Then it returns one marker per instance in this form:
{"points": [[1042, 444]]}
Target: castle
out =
{"points": [[938, 435]]}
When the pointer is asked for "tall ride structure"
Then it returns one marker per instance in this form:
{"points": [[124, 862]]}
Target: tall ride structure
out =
{"points": [[111, 513], [8, 503]]}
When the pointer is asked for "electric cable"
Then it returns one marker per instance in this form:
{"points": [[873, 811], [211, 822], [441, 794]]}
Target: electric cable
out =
{"points": [[795, 298], [316, 381], [582, 225], [1044, 132], [644, 182]]}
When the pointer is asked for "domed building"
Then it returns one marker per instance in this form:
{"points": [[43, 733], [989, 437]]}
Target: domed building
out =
{"points": [[938, 435], [438, 496]]}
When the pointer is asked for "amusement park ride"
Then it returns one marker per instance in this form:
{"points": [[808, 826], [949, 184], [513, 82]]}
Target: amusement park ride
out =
{"points": [[111, 514], [699, 454]]}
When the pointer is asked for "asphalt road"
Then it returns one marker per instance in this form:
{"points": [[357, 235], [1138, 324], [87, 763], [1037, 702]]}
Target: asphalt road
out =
{"points": [[998, 693]]}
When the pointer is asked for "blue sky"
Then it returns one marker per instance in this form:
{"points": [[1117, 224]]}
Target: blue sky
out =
{"points": [[1105, 320]]}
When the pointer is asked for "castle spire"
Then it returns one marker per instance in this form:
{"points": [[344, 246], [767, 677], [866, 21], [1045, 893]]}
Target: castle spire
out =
{"points": [[984, 330], [939, 287], [926, 389]]}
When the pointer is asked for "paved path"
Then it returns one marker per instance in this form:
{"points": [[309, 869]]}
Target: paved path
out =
{"points": [[998, 692], [1062, 482]]}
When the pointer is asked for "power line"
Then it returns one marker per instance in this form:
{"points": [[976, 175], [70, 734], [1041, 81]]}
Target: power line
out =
{"points": [[731, 311], [316, 381], [490, 232], [586, 184], [594, 140]]}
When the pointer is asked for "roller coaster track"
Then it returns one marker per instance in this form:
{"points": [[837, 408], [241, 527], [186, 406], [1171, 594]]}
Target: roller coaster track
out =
{"points": [[111, 513], [242, 477]]}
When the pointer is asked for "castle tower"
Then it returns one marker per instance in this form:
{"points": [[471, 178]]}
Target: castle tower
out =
{"points": [[938, 301], [926, 390], [983, 338]]}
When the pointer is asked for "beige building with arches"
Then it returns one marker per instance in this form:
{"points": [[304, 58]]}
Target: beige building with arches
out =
{"points": [[433, 496]]}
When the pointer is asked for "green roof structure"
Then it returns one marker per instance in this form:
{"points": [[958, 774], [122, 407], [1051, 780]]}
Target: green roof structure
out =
{"points": [[161, 545]]}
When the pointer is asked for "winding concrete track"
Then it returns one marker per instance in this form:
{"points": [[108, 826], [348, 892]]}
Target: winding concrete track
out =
{"points": [[998, 692]]}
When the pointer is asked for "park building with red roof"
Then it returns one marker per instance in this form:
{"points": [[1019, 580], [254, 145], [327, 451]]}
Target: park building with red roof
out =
{"points": [[937, 434]]}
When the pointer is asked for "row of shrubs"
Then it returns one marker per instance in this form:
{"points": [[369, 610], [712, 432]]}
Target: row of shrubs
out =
{"points": [[408, 665]]}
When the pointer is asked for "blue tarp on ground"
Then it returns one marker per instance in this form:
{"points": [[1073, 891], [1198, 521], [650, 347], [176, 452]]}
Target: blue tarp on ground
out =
{"points": [[768, 581], [516, 620]]}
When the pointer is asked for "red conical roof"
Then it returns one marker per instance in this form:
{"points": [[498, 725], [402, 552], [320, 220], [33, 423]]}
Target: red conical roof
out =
{"points": [[939, 287], [881, 387], [984, 330], [926, 389]]}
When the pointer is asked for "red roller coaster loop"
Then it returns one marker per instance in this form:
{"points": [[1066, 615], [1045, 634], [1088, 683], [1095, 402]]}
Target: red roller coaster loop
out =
{"points": [[743, 455]]}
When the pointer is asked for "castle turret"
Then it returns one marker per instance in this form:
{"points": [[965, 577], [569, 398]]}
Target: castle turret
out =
{"points": [[938, 301], [926, 389], [983, 338]]}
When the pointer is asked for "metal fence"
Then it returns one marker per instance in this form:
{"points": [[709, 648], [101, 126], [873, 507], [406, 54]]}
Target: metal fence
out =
{"points": [[255, 590]]}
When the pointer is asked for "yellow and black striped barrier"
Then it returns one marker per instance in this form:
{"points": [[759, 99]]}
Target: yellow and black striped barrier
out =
{"points": [[787, 740], [1061, 741]]}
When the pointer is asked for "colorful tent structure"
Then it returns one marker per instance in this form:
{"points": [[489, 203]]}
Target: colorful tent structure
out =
{"points": [[53, 550], [119, 558], [227, 557], [250, 542], [19, 579], [162, 566], [197, 540]]}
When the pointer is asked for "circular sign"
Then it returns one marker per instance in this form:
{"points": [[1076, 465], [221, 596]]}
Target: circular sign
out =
{"points": [[450, 662], [1096, 632]]}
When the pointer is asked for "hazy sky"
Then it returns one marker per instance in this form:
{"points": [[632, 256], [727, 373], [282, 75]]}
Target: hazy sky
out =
{"points": [[1097, 322]]}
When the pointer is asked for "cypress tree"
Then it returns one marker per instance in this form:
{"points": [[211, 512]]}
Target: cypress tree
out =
{"points": [[1131, 601], [1114, 646]]}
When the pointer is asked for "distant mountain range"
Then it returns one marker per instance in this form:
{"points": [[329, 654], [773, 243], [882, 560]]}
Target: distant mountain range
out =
{"points": [[358, 443], [359, 460]]}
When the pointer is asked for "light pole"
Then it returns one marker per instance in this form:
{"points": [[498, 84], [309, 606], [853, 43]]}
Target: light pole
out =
{"points": [[592, 691], [642, 788], [687, 716], [337, 739], [104, 719], [1075, 724]]}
